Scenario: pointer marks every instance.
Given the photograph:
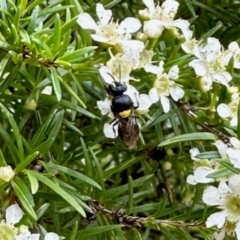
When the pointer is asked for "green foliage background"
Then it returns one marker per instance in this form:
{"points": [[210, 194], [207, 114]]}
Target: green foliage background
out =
{"points": [[42, 45]]}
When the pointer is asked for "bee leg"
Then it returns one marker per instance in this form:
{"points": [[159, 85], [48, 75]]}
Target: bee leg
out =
{"points": [[114, 128], [114, 122]]}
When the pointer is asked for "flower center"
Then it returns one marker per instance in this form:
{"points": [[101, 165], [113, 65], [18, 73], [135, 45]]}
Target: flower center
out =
{"points": [[232, 206]]}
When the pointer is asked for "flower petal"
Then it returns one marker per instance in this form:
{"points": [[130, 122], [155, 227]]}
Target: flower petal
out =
{"points": [[144, 101], [108, 130], [224, 78], [234, 156], [51, 236], [153, 28], [153, 94], [99, 38], [13, 214], [216, 219], [200, 174], [86, 21], [106, 75], [184, 26], [194, 152], [150, 5], [103, 14], [129, 25], [173, 72], [104, 106], [176, 93], [222, 148], [224, 110], [212, 196], [199, 67], [235, 142], [165, 103], [191, 180], [47, 90], [170, 7]]}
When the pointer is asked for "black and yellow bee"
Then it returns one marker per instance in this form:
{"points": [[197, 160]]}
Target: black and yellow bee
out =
{"points": [[123, 110]]}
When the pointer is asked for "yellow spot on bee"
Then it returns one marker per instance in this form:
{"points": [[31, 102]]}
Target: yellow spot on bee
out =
{"points": [[125, 114]]}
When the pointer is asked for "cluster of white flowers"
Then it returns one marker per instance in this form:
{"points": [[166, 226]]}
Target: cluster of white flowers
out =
{"points": [[129, 50], [8, 231], [132, 53], [227, 195]]}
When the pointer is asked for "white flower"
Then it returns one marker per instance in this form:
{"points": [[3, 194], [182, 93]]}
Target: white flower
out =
{"points": [[209, 64], [224, 110], [51, 236], [47, 90], [104, 106], [157, 18], [222, 148], [233, 153], [234, 51], [105, 30], [200, 175], [164, 86], [25, 234], [226, 197], [13, 216], [6, 173]]}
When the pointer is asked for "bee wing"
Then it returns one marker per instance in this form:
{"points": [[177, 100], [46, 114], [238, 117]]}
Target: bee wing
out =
{"points": [[128, 131]]}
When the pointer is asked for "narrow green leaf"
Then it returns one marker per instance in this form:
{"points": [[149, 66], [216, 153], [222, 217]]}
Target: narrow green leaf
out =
{"points": [[15, 129], [71, 126], [42, 210], [3, 162], [99, 170], [25, 190], [26, 161], [56, 83], [32, 5], [22, 6], [71, 92], [223, 172], [199, 136], [208, 155], [55, 187], [74, 231], [130, 194], [77, 55], [22, 198], [210, 32], [42, 46], [228, 165], [11, 147], [190, 7], [33, 182], [75, 174], [55, 38], [54, 10], [86, 156]]}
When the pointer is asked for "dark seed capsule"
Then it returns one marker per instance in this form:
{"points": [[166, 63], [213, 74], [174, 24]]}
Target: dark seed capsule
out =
{"points": [[157, 153]]}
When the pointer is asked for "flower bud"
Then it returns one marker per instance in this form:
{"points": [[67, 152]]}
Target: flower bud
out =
{"points": [[6, 173], [153, 28], [31, 105]]}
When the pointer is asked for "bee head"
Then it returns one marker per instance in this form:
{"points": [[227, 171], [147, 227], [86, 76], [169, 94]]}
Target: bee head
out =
{"points": [[117, 89]]}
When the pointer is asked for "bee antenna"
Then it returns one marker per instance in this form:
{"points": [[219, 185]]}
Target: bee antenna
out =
{"points": [[119, 73]]}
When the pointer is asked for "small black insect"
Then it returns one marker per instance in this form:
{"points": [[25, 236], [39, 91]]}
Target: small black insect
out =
{"points": [[123, 109]]}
